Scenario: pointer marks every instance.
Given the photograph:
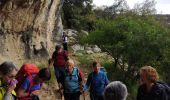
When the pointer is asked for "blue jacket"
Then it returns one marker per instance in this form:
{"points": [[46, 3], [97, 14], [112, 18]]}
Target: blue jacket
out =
{"points": [[96, 82]]}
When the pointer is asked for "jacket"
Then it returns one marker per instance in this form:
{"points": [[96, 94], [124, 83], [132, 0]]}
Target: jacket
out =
{"points": [[4, 96], [157, 92], [97, 83]]}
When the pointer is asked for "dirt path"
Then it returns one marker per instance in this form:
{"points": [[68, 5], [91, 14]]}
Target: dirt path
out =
{"points": [[49, 92]]}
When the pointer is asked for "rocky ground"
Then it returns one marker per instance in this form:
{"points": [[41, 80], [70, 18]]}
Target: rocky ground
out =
{"points": [[50, 92]]}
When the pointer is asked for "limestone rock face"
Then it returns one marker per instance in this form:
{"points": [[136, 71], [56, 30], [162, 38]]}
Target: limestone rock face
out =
{"points": [[28, 28]]}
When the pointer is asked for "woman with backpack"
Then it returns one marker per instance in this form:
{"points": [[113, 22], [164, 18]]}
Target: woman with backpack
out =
{"points": [[30, 86], [97, 81], [150, 88], [72, 81], [8, 83]]}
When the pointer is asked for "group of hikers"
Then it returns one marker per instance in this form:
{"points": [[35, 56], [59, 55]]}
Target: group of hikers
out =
{"points": [[26, 83]]}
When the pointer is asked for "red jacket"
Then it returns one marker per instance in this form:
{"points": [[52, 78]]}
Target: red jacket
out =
{"points": [[60, 58]]}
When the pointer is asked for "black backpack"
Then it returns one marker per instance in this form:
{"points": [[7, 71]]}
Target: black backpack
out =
{"points": [[166, 87]]}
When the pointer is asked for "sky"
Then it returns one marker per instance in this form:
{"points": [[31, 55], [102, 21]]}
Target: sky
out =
{"points": [[162, 6]]}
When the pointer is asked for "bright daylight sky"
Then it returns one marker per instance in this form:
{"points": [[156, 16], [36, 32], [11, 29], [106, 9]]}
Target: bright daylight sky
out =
{"points": [[162, 6]]}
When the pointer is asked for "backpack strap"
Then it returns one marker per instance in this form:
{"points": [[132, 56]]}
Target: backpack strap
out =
{"points": [[31, 83], [91, 82], [80, 78]]}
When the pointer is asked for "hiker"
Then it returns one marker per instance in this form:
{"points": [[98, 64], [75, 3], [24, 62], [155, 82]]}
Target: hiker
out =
{"points": [[97, 81], [8, 83], [65, 41], [149, 89], [73, 82], [115, 91], [31, 85], [59, 58]]}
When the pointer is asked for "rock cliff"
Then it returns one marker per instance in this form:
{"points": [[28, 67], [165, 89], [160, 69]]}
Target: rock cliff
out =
{"points": [[29, 28]]}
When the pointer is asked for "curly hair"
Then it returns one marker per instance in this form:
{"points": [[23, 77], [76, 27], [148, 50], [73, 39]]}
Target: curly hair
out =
{"points": [[150, 72]]}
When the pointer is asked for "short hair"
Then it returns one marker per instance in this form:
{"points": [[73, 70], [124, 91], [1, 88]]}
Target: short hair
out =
{"points": [[150, 72], [57, 47], [70, 61], [115, 91], [95, 63], [44, 74], [6, 67]]}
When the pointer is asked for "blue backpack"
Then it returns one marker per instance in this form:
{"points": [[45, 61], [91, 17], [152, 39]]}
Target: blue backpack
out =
{"points": [[72, 83], [103, 70]]}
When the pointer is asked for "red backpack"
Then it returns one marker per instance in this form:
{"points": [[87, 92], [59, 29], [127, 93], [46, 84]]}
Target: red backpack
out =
{"points": [[26, 71]]}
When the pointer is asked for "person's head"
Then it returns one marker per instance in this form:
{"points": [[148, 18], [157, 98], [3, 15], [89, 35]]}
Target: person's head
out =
{"points": [[8, 71], [115, 91], [148, 74], [69, 65], [58, 48], [44, 75], [64, 33], [96, 66]]}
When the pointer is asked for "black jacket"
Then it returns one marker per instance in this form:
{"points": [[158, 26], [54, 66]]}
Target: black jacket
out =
{"points": [[157, 92]]}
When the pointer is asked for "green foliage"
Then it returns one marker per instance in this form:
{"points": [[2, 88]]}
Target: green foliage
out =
{"points": [[77, 14], [133, 41]]}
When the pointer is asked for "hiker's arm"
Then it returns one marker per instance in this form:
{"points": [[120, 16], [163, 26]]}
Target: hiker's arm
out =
{"points": [[81, 86], [21, 92], [23, 88], [66, 55], [88, 83], [106, 80], [50, 62], [8, 93], [7, 96]]}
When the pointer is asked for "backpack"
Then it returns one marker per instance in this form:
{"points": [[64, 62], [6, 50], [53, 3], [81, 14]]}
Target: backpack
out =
{"points": [[103, 70], [166, 87], [76, 73], [27, 70]]}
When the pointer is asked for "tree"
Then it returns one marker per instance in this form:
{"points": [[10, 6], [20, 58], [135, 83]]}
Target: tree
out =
{"points": [[117, 8], [133, 41], [145, 8], [76, 13]]}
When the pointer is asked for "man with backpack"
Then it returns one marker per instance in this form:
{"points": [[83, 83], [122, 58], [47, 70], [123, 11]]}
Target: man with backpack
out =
{"points": [[72, 82], [97, 81], [30, 81], [150, 88], [59, 58]]}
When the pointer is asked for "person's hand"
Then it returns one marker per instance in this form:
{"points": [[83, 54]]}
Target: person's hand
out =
{"points": [[10, 88], [50, 62], [81, 89], [11, 84], [36, 92]]}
